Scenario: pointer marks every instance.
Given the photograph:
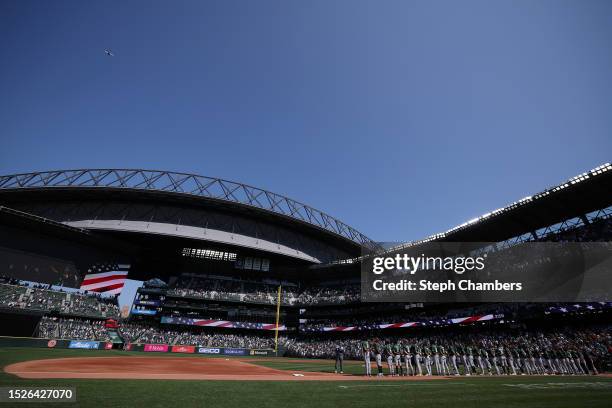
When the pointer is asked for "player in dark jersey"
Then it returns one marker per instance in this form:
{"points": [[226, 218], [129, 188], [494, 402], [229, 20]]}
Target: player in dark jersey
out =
{"points": [[339, 359]]}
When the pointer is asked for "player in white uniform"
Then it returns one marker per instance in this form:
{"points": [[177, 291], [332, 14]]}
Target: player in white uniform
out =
{"points": [[408, 359], [378, 349], [494, 354], [365, 350], [390, 359], [417, 359], [436, 358], [397, 358], [428, 359], [466, 361], [452, 350]]}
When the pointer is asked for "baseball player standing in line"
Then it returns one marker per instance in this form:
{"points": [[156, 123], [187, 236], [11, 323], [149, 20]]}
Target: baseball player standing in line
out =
{"points": [[427, 352], [485, 359], [494, 358], [533, 355], [470, 354], [511, 356], [583, 361], [550, 359], [397, 356], [452, 350], [378, 348], [559, 362], [539, 353], [518, 360], [587, 353], [554, 361], [443, 361], [503, 359], [389, 354], [339, 359], [541, 360], [466, 362], [408, 359], [479, 359], [524, 358], [570, 361], [365, 349], [436, 358], [417, 358]]}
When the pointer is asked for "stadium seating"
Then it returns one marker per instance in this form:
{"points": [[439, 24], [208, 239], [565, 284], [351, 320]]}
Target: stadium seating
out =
{"points": [[73, 328], [42, 298]]}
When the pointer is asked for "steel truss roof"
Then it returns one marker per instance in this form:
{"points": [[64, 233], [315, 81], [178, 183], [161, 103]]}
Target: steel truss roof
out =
{"points": [[190, 184]]}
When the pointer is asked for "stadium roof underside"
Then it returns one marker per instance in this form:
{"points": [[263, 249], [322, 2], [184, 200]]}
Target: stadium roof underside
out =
{"points": [[575, 198], [168, 187]]}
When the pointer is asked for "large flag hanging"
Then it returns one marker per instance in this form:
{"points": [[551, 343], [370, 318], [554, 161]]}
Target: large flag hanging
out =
{"points": [[107, 278]]}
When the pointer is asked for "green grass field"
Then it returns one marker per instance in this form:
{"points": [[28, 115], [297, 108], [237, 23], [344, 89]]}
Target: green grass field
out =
{"points": [[541, 392]]}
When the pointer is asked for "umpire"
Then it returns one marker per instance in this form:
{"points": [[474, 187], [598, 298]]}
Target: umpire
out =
{"points": [[339, 359]]}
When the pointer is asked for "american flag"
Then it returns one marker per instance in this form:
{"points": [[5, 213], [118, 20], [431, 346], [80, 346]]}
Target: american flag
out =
{"points": [[106, 278]]}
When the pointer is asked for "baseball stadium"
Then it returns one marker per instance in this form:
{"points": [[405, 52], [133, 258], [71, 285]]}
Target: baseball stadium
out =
{"points": [[249, 297]]}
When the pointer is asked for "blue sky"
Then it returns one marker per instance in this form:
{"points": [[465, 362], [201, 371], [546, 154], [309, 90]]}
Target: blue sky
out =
{"points": [[126, 297], [401, 118]]}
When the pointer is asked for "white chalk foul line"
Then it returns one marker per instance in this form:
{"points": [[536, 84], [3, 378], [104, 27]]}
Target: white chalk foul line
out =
{"points": [[400, 385], [560, 385]]}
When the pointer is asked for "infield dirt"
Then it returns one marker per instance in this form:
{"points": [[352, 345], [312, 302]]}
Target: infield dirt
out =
{"points": [[182, 368]]}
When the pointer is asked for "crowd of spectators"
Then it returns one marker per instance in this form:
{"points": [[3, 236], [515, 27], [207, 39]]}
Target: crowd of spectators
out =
{"points": [[426, 316], [15, 294], [258, 292], [149, 333], [230, 289], [329, 295], [598, 231], [144, 333], [72, 328], [439, 316]]}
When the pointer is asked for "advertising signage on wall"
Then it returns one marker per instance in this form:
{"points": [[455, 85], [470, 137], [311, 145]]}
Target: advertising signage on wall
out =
{"points": [[80, 344], [160, 348], [183, 349], [254, 352], [147, 302], [144, 312], [208, 350], [235, 352]]}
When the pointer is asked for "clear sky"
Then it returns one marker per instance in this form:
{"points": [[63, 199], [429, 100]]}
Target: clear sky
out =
{"points": [[401, 118]]}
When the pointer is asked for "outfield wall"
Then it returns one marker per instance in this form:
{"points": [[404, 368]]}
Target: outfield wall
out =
{"points": [[202, 350], [147, 348]]}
